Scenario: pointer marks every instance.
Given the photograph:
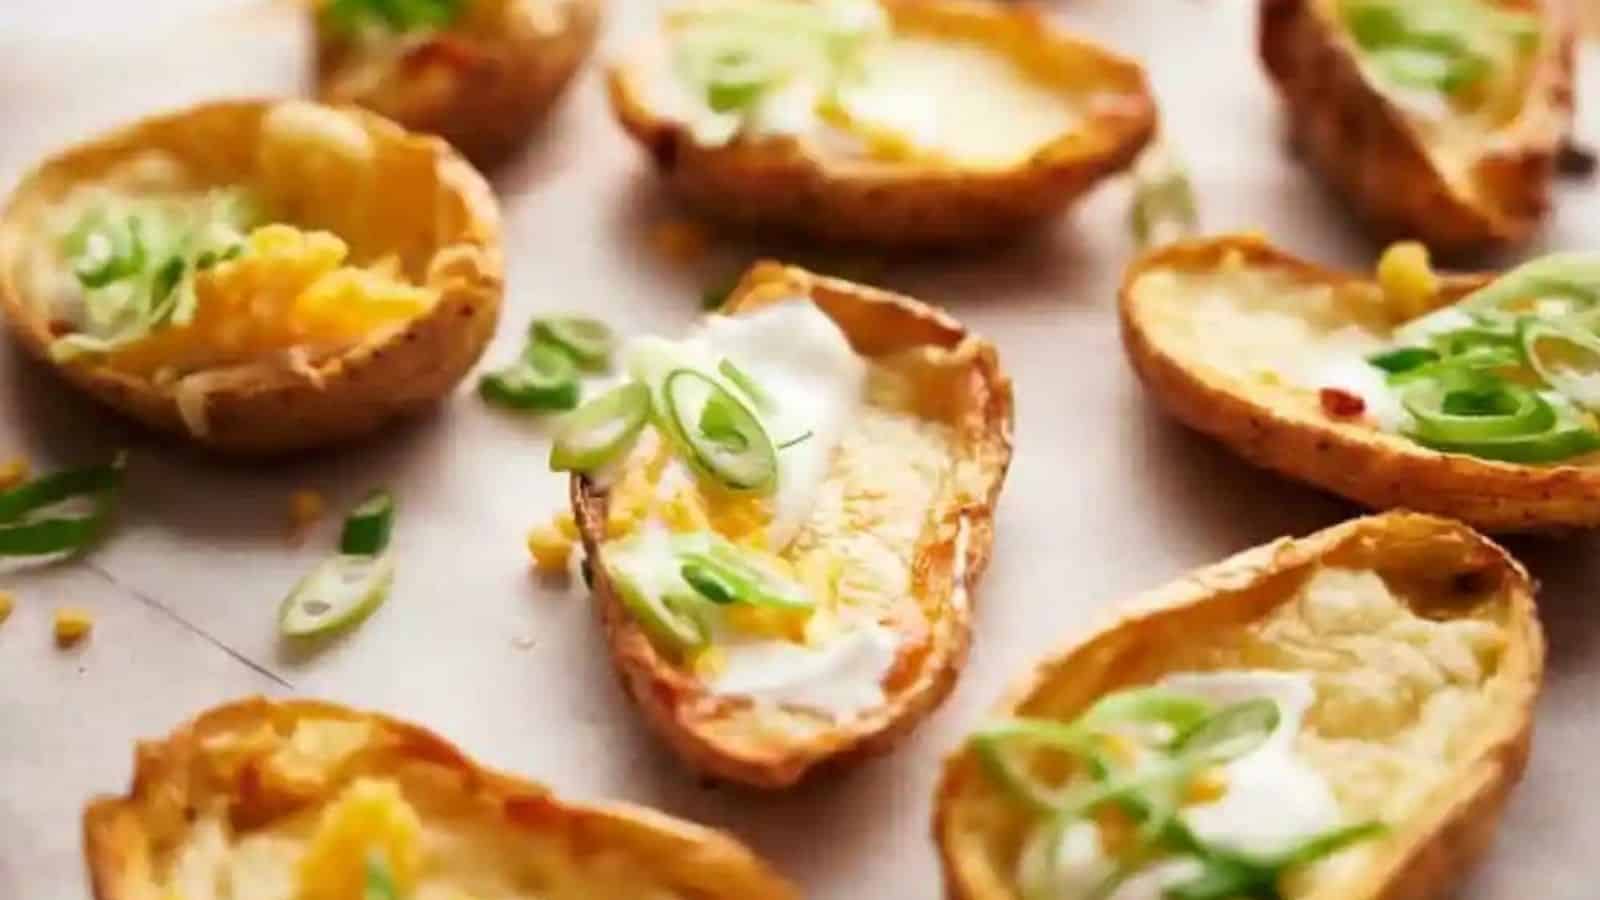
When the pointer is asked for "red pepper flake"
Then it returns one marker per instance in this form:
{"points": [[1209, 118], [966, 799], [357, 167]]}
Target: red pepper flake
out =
{"points": [[1341, 404]]}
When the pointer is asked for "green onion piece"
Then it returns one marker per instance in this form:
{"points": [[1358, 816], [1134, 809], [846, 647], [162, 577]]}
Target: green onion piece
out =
{"points": [[1550, 288], [1150, 705], [671, 618], [1163, 207], [744, 577], [545, 379], [56, 487], [1554, 445], [588, 341], [1462, 406], [725, 440], [367, 528], [340, 592], [1000, 747], [751, 389], [1567, 359], [601, 430], [1403, 359], [107, 251], [709, 583], [379, 881], [1230, 733], [23, 534], [735, 78], [1228, 875]]}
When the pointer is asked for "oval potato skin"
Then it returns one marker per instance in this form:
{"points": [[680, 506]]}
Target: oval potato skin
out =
{"points": [[259, 410], [119, 831], [1419, 858], [777, 183], [1363, 146], [877, 323], [1276, 428], [483, 96]]}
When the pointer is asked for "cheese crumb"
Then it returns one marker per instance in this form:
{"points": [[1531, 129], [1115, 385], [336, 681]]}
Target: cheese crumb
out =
{"points": [[73, 624], [550, 549]]}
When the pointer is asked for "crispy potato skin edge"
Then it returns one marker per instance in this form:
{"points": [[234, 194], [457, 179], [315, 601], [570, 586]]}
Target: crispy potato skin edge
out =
{"points": [[1444, 839], [1378, 470], [361, 391], [1364, 148], [777, 184], [500, 97], [877, 322], [114, 837]]}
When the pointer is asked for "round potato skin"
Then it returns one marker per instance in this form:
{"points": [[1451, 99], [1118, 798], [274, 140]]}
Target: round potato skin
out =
{"points": [[778, 184], [1365, 149], [1373, 468], [1431, 851], [265, 413], [115, 837], [877, 323], [499, 92]]}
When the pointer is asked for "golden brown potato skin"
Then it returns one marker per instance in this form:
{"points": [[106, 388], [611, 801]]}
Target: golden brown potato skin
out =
{"points": [[1373, 468], [274, 411], [776, 183], [672, 700], [1420, 858], [119, 831], [1365, 149], [483, 92]]}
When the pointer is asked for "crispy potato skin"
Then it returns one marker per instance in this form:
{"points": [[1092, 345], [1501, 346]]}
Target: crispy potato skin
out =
{"points": [[497, 91], [672, 700], [778, 184], [271, 412], [1364, 147], [1422, 858], [705, 863], [1373, 468]]}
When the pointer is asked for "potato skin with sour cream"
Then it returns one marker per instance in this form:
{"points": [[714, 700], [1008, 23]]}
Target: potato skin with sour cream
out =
{"points": [[413, 195], [783, 184], [1284, 428], [249, 763], [1248, 610], [953, 549]]}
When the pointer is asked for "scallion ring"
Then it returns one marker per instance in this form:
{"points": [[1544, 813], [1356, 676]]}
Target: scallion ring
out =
{"points": [[340, 592], [588, 341], [1567, 359], [751, 388], [1403, 359], [1462, 407], [1000, 747], [23, 534], [601, 430], [724, 438], [367, 528], [545, 379], [740, 574], [1230, 733], [675, 619]]}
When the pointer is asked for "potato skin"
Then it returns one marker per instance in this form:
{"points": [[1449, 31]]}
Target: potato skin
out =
{"points": [[264, 412], [499, 91], [1454, 827], [1367, 152], [1373, 468], [778, 184], [877, 323], [117, 838]]}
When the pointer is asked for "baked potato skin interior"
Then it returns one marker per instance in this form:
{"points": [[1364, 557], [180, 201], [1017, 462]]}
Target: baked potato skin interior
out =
{"points": [[175, 778], [484, 89], [433, 209], [1286, 430], [777, 183], [951, 553], [1441, 571], [1362, 144]]}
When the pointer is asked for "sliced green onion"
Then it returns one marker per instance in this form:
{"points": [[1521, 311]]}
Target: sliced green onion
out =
{"points": [[675, 619], [367, 528], [340, 592], [725, 440], [1550, 288], [1227, 874], [601, 430], [999, 747], [709, 583], [1403, 359], [1463, 407], [24, 534], [742, 380], [1230, 733], [744, 577], [545, 379], [59, 486], [1163, 207], [1567, 359], [1154, 705], [735, 78], [1563, 442], [588, 341], [108, 251]]}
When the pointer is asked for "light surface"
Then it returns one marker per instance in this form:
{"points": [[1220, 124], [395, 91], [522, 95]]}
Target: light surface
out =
{"points": [[1106, 497]]}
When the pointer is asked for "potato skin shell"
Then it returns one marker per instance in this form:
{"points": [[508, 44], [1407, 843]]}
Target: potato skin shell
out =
{"points": [[777, 184], [1451, 831], [1375, 469], [114, 836], [265, 413], [877, 323], [1363, 147], [499, 93]]}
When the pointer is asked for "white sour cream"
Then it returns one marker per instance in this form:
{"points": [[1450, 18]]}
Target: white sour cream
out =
{"points": [[839, 677]]}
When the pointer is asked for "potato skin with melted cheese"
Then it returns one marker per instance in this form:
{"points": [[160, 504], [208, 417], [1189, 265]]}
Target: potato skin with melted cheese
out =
{"points": [[778, 183], [395, 193], [1456, 634], [245, 788], [954, 379], [1283, 427]]}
